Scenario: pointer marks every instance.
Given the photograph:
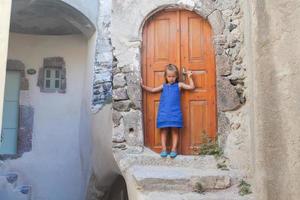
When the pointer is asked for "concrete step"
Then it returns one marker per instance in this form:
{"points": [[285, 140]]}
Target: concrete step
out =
{"points": [[162, 178], [229, 194], [148, 157]]}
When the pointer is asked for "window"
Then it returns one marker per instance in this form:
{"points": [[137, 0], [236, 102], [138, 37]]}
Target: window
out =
{"points": [[52, 78]]}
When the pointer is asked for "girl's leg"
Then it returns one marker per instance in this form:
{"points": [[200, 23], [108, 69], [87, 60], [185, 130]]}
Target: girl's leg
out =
{"points": [[163, 137], [175, 138]]}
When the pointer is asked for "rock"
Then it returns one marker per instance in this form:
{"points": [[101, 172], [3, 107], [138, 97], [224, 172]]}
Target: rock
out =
{"points": [[227, 96], [223, 65], [132, 78], [116, 116], [119, 80], [204, 7], [118, 134], [217, 22], [122, 105], [220, 39], [232, 26], [187, 4], [133, 127], [120, 94], [135, 95], [223, 129]]}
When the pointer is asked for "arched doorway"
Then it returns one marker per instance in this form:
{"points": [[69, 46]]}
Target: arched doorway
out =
{"points": [[183, 38]]}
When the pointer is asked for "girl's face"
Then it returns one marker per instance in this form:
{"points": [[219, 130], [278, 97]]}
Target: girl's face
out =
{"points": [[171, 76]]}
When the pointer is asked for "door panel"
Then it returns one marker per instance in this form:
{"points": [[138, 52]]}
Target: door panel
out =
{"points": [[197, 55], [184, 39], [161, 40], [10, 113]]}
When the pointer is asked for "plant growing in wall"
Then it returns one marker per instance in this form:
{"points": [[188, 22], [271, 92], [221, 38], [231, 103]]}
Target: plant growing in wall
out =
{"points": [[244, 188], [209, 146]]}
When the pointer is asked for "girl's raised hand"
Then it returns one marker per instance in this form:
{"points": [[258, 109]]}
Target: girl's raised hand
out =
{"points": [[189, 73], [141, 82]]}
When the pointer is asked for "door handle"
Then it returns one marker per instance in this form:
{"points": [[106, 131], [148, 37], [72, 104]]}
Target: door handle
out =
{"points": [[183, 73]]}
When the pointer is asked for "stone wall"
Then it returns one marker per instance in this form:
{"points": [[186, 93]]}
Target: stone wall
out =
{"points": [[102, 82], [226, 19]]}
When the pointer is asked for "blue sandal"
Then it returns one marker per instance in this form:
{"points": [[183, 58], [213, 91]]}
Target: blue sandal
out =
{"points": [[173, 154], [163, 154]]}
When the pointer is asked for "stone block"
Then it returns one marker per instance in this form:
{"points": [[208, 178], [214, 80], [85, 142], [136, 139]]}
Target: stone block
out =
{"points": [[226, 4], [228, 98], [133, 128], [204, 7], [216, 21], [122, 105], [223, 129], [135, 95], [119, 80], [119, 133], [186, 4], [223, 65], [120, 94], [116, 116], [132, 78]]}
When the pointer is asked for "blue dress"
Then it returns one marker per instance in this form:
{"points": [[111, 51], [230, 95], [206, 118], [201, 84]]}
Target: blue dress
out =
{"points": [[169, 111]]}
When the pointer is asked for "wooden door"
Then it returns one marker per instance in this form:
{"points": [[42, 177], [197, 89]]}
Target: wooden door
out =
{"points": [[182, 38], [10, 123]]}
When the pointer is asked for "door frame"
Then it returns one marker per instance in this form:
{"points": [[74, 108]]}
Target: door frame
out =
{"points": [[143, 74], [26, 112]]}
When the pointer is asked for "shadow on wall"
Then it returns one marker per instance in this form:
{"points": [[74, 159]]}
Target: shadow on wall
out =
{"points": [[118, 190]]}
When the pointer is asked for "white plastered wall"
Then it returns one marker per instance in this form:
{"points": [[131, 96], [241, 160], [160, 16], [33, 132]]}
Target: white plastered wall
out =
{"points": [[5, 7], [53, 167]]}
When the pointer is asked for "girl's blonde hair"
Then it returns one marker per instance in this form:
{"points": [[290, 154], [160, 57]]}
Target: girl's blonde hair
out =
{"points": [[173, 68]]}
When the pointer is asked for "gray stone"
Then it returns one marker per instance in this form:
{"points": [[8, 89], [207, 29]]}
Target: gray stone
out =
{"points": [[232, 26], [119, 80], [135, 95], [219, 50], [220, 39], [127, 68], [116, 116], [118, 135], [132, 78], [228, 98], [122, 105], [161, 178], [15, 65], [120, 94], [217, 22], [187, 4], [204, 7], [226, 4], [54, 62], [103, 75], [133, 127], [223, 65], [223, 129]]}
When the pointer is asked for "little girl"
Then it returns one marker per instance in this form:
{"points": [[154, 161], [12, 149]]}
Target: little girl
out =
{"points": [[169, 117]]}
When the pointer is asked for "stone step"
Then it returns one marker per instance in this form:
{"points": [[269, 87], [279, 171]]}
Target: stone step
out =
{"points": [[162, 178], [229, 194], [148, 157], [197, 162]]}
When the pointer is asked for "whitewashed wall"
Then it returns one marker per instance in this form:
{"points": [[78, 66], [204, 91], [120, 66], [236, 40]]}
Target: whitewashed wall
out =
{"points": [[53, 167]]}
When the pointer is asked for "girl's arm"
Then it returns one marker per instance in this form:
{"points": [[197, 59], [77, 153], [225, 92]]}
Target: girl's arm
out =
{"points": [[151, 89], [191, 84]]}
